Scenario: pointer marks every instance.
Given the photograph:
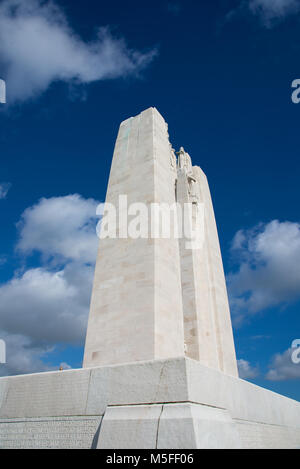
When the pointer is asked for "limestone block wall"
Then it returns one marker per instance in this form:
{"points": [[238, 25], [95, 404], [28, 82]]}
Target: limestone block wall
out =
{"points": [[175, 403], [214, 282], [207, 322], [201, 337], [50, 433]]}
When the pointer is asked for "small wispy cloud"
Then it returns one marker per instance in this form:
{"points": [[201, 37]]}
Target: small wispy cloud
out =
{"points": [[246, 370], [38, 48], [268, 12], [260, 337], [268, 275], [3, 260], [4, 188]]}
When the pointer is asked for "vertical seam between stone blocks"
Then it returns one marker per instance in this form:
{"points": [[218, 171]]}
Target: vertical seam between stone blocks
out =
{"points": [[195, 429], [158, 424], [182, 199], [88, 391], [188, 397], [97, 435]]}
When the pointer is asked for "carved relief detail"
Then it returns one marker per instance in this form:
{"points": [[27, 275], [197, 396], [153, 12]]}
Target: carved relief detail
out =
{"points": [[185, 164], [173, 159]]}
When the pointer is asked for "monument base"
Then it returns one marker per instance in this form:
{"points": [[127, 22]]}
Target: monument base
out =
{"points": [[175, 403]]}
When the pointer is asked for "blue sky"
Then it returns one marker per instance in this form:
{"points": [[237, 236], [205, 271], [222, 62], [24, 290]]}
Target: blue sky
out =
{"points": [[220, 73]]}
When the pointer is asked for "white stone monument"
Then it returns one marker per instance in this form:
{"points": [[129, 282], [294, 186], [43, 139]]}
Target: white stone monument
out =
{"points": [[159, 365], [154, 298]]}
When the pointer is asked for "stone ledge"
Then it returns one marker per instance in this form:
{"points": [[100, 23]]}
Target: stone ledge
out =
{"points": [[181, 381]]}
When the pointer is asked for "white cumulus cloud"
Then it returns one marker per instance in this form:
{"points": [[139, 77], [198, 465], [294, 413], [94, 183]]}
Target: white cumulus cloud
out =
{"points": [[246, 370], [22, 357], [38, 47], [48, 305], [268, 271], [60, 227], [282, 367]]}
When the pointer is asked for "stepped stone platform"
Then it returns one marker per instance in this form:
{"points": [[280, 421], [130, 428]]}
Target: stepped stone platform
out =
{"points": [[165, 404]]}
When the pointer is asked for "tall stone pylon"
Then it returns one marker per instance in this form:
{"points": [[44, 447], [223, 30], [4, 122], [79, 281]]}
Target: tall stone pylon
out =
{"points": [[207, 322], [153, 297], [136, 307]]}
